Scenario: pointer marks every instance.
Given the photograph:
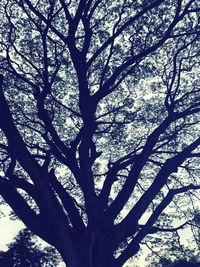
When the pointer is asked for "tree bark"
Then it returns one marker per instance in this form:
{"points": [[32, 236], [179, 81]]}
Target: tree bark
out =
{"points": [[94, 251]]}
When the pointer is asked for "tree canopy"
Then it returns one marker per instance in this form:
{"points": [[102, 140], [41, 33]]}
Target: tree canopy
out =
{"points": [[24, 252], [99, 122]]}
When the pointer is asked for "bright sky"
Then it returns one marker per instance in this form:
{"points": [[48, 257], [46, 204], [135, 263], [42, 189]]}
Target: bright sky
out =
{"points": [[8, 228]]}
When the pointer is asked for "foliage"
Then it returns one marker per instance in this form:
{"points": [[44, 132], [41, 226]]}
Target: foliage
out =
{"points": [[173, 252], [24, 252], [99, 122]]}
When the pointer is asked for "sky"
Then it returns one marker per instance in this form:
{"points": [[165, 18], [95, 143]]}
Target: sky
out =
{"points": [[8, 228]]}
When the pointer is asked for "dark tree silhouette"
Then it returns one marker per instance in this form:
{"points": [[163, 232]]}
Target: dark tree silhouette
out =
{"points": [[25, 253], [186, 264], [99, 113], [180, 263]]}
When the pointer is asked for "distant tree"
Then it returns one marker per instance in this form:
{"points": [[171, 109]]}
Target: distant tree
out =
{"points": [[179, 263], [177, 254], [186, 264], [99, 121], [24, 252]]}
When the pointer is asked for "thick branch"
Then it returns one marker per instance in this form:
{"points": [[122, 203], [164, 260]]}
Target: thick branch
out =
{"points": [[16, 144], [21, 208], [68, 203], [133, 246], [171, 165], [134, 173]]}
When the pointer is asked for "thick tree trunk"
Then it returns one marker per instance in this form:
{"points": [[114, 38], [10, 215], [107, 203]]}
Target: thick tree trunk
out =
{"points": [[95, 252], [103, 262]]}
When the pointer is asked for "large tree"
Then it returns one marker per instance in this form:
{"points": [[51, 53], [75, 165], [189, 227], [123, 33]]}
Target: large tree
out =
{"points": [[99, 113]]}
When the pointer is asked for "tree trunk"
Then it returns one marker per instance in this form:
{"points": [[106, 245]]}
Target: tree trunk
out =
{"points": [[95, 252]]}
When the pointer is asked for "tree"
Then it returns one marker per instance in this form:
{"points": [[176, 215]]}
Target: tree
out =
{"points": [[182, 264], [178, 253], [99, 114], [179, 263], [24, 252]]}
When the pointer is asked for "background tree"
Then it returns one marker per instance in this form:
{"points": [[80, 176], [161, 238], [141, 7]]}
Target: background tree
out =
{"points": [[25, 253], [172, 251], [99, 119]]}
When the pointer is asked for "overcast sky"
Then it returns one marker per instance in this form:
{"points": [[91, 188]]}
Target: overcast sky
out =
{"points": [[8, 228]]}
